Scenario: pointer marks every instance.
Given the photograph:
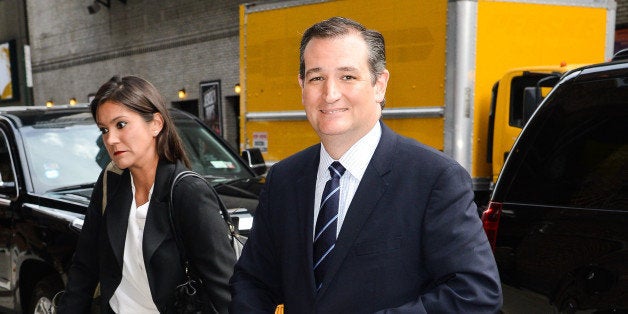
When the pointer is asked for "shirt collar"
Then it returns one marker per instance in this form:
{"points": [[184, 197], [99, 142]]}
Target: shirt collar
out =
{"points": [[357, 158]]}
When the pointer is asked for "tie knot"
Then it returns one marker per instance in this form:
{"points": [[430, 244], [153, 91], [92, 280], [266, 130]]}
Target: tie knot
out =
{"points": [[336, 170]]}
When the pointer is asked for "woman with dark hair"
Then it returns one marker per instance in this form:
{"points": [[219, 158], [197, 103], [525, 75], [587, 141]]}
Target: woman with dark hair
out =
{"points": [[127, 244]]}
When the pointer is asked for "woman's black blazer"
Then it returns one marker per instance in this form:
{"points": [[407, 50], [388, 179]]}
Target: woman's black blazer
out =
{"points": [[99, 253]]}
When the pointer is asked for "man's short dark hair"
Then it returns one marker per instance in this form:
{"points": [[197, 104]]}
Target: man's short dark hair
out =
{"points": [[340, 26]]}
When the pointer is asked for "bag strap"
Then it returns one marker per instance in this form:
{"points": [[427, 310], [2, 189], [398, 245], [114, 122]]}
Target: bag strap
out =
{"points": [[113, 168], [223, 209], [177, 236]]}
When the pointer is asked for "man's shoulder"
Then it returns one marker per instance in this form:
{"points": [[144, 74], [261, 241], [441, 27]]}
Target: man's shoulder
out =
{"points": [[416, 147], [299, 160], [413, 151]]}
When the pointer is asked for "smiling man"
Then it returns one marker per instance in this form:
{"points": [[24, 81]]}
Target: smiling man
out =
{"points": [[366, 221]]}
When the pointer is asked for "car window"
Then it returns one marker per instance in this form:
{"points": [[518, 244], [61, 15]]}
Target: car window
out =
{"points": [[61, 155], [207, 155], [64, 150], [7, 176], [577, 150]]}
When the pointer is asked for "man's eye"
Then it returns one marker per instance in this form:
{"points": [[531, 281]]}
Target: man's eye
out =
{"points": [[348, 77], [104, 130], [120, 124], [318, 78]]}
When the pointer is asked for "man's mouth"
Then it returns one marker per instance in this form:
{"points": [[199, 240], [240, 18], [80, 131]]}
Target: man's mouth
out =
{"points": [[333, 110]]}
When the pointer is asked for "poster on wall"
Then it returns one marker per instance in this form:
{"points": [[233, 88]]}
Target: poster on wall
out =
{"points": [[210, 110], [8, 72]]}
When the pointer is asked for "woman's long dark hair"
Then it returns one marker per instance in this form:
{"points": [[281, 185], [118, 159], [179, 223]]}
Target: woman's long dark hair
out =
{"points": [[141, 96]]}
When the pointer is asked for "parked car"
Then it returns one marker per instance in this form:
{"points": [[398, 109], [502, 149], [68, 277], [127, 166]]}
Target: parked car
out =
{"points": [[558, 216], [50, 159]]}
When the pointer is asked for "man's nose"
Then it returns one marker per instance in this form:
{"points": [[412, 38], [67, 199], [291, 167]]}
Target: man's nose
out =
{"points": [[332, 91]]}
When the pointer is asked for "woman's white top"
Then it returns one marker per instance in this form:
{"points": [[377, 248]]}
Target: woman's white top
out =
{"points": [[133, 294]]}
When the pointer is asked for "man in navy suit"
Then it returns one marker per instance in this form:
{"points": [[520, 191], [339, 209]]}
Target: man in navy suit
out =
{"points": [[405, 233]]}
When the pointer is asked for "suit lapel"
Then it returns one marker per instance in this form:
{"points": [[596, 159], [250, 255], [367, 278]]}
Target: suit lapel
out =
{"points": [[119, 205], [306, 186], [119, 199], [157, 225], [372, 187]]}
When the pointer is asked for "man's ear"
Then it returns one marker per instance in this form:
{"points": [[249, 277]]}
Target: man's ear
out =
{"points": [[300, 80], [380, 86]]}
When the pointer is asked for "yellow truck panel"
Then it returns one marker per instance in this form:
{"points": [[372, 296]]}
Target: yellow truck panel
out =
{"points": [[507, 130], [270, 65], [444, 58], [511, 34]]}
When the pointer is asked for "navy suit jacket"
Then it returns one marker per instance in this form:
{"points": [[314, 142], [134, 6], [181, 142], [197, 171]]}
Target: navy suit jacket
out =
{"points": [[99, 252], [412, 241]]}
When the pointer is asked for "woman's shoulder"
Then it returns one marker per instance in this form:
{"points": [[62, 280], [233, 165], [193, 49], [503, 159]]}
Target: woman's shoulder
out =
{"points": [[188, 179]]}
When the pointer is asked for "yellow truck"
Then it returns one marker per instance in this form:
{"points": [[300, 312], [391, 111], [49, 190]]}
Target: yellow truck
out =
{"points": [[444, 57]]}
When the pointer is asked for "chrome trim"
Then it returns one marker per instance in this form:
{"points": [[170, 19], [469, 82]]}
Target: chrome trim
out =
{"points": [[260, 7], [459, 91], [77, 224], [275, 115], [413, 112], [481, 184], [387, 113], [579, 3], [611, 14], [5, 284], [75, 220], [245, 219]]}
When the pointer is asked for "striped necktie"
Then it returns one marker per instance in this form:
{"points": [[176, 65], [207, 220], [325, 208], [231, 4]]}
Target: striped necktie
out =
{"points": [[325, 235]]}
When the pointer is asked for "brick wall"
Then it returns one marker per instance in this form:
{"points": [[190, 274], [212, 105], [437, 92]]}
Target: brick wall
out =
{"points": [[621, 17], [172, 43]]}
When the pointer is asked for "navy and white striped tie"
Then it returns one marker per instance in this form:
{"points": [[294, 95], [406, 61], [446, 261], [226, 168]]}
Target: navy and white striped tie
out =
{"points": [[325, 235]]}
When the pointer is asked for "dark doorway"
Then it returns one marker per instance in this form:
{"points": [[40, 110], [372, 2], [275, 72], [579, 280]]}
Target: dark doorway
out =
{"points": [[190, 106], [232, 116]]}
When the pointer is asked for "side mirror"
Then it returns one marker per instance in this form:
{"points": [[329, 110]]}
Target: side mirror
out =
{"points": [[253, 157], [531, 100], [8, 188], [533, 96]]}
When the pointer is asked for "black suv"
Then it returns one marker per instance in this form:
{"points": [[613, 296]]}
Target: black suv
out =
{"points": [[50, 159], [558, 216]]}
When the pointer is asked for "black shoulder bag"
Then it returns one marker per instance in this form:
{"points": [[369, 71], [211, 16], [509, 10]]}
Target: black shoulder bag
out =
{"points": [[188, 296]]}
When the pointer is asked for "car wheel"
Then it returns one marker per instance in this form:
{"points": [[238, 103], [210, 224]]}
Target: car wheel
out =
{"points": [[43, 294]]}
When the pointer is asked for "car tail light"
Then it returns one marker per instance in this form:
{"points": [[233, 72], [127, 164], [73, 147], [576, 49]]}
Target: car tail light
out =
{"points": [[490, 221]]}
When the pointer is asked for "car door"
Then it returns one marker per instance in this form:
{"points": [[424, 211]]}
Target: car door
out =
{"points": [[8, 193], [564, 221]]}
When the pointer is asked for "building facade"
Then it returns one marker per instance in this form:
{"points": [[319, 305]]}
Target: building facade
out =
{"points": [[175, 44], [65, 49]]}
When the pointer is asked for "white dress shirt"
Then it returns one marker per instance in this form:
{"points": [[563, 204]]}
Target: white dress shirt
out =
{"points": [[133, 294], [355, 161]]}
